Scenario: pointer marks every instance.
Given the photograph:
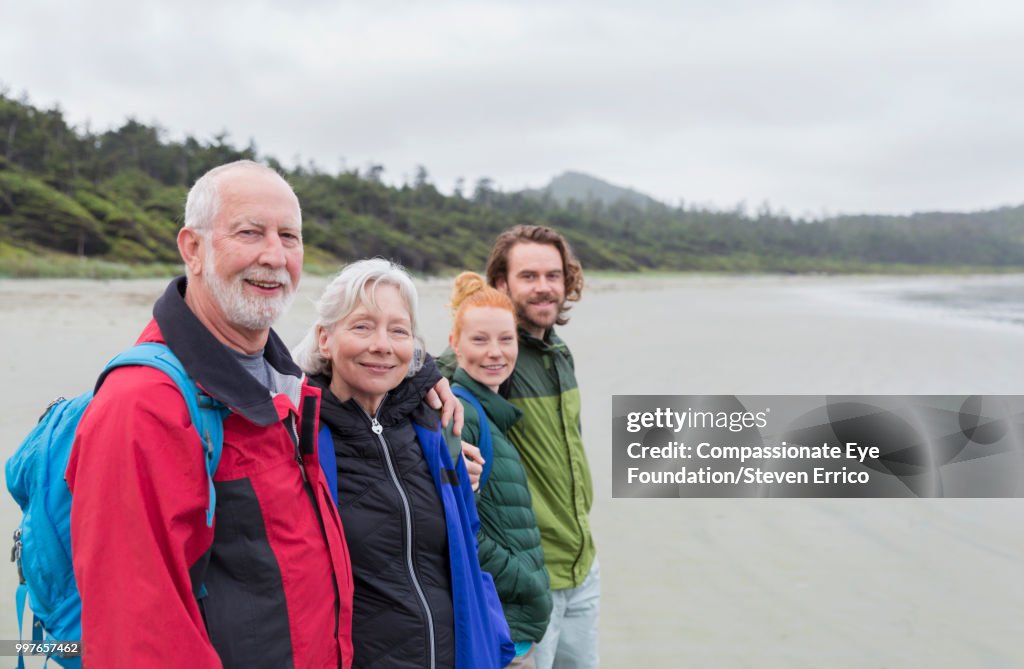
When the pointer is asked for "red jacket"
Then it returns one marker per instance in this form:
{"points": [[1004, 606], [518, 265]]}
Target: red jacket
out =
{"points": [[275, 564]]}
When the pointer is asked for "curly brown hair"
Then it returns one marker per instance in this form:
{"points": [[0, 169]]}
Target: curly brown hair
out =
{"points": [[497, 263]]}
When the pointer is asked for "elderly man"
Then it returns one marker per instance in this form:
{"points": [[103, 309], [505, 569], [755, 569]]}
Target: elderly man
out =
{"points": [[269, 585]]}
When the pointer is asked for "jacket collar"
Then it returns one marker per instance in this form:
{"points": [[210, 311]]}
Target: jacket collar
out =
{"points": [[401, 403], [214, 368], [551, 341], [501, 412]]}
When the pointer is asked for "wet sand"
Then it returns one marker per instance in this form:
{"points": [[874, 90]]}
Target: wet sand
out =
{"points": [[765, 583]]}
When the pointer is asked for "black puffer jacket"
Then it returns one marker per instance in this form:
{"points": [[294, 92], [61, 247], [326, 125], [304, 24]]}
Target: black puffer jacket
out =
{"points": [[395, 527]]}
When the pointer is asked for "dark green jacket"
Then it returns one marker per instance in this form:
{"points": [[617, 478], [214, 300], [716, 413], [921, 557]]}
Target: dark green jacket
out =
{"points": [[509, 539], [550, 445]]}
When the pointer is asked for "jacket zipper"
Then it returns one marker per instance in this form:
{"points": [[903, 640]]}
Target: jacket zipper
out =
{"points": [[378, 430], [294, 434], [549, 355]]}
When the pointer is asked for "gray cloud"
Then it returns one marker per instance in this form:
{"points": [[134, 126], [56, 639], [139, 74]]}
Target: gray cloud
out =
{"points": [[836, 106]]}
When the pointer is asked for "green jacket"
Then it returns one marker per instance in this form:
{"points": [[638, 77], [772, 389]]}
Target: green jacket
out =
{"points": [[550, 444], [509, 539]]}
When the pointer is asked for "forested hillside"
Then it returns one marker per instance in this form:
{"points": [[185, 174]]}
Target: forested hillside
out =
{"points": [[116, 196]]}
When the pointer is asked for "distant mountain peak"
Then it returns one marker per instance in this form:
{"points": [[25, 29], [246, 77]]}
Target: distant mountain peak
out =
{"points": [[572, 185]]}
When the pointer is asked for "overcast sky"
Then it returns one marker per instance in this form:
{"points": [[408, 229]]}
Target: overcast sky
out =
{"points": [[813, 106]]}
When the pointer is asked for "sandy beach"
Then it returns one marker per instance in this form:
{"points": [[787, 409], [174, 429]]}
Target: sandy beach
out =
{"points": [[764, 583]]}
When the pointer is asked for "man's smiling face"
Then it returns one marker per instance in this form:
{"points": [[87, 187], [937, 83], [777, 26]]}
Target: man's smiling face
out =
{"points": [[536, 284]]}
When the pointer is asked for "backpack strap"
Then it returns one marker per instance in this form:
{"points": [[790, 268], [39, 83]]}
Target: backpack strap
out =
{"points": [[486, 445], [20, 597], [206, 412], [328, 460]]}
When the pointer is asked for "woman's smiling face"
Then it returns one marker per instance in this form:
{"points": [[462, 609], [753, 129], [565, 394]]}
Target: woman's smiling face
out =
{"points": [[487, 347], [370, 349]]}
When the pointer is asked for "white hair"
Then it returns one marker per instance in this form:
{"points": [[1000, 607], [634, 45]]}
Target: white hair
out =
{"points": [[355, 285], [203, 201]]}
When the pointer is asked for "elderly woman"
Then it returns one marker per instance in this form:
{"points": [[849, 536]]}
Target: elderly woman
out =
{"points": [[486, 346], [420, 597]]}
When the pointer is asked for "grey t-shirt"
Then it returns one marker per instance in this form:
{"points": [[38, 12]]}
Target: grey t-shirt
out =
{"points": [[257, 366]]}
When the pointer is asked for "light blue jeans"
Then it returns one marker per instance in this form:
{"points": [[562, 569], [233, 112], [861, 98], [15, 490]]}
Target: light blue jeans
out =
{"points": [[571, 640]]}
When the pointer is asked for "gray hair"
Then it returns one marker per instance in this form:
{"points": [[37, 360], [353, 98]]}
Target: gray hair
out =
{"points": [[355, 285], [203, 201]]}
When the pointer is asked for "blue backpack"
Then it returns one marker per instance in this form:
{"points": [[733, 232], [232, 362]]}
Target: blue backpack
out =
{"points": [[328, 460], [35, 478]]}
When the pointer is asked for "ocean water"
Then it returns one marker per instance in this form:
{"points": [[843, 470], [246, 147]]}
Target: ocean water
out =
{"points": [[998, 299]]}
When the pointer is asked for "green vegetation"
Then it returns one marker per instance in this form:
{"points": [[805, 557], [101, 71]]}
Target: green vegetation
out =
{"points": [[75, 202], [22, 262]]}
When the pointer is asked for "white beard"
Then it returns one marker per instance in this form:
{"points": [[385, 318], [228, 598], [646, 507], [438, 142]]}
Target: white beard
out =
{"points": [[244, 310]]}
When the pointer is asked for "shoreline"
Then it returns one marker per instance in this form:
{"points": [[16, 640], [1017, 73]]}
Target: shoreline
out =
{"points": [[22, 264]]}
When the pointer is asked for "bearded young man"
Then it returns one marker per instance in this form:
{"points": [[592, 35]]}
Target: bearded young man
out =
{"points": [[535, 266], [269, 584]]}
